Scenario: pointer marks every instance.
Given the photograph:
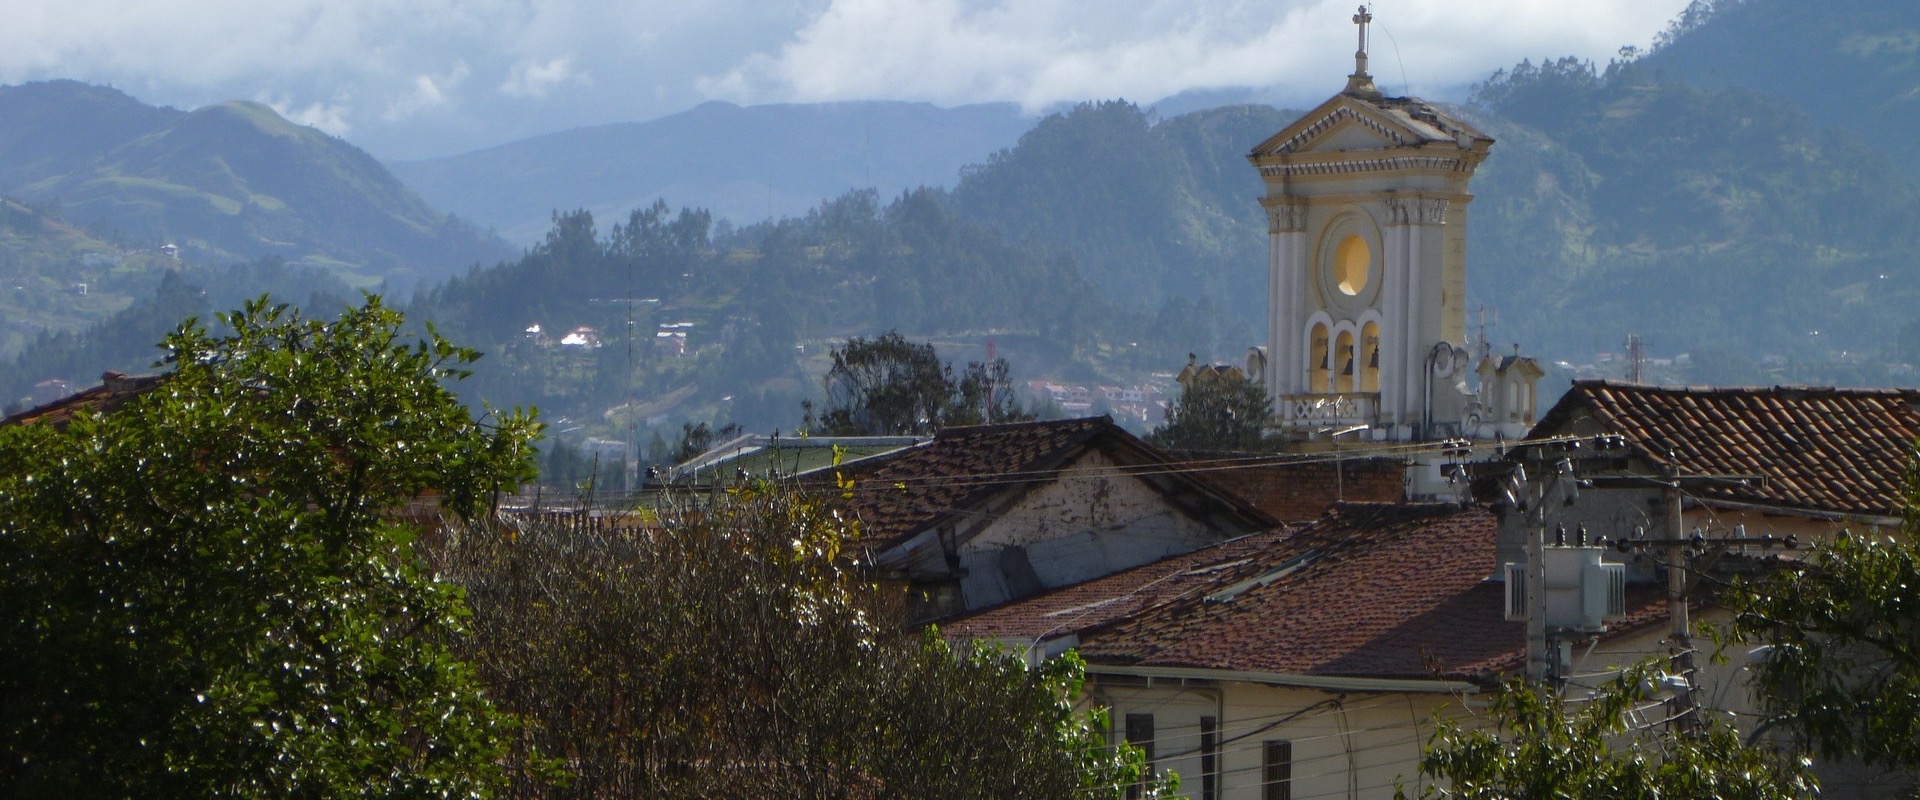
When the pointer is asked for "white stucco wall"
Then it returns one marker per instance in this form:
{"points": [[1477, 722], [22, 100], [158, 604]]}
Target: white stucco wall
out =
{"points": [[1360, 745]]}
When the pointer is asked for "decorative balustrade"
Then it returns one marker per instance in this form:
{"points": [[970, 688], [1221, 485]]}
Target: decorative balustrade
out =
{"points": [[1337, 408]]}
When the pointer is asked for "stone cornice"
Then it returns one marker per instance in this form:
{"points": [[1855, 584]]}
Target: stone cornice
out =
{"points": [[1363, 166]]}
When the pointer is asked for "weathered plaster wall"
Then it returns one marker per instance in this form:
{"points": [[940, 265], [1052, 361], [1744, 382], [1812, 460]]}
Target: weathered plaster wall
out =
{"points": [[1090, 521]]}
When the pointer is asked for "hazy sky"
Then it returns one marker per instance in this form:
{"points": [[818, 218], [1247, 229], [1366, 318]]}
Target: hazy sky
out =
{"points": [[413, 78]]}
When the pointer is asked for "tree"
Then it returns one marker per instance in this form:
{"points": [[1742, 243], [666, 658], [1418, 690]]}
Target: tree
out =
{"points": [[736, 649], [1841, 671], [207, 592], [892, 386], [1537, 745], [1217, 412]]}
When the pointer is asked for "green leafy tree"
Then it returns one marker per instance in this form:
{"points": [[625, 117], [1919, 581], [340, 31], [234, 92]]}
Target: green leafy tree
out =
{"points": [[1841, 671], [1535, 744], [208, 592], [1218, 412], [737, 649], [891, 386]]}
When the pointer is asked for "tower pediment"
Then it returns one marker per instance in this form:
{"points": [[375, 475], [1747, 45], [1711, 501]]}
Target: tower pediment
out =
{"points": [[1352, 124]]}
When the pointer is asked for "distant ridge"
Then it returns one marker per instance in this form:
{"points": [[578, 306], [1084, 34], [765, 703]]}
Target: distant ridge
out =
{"points": [[232, 181], [742, 163]]}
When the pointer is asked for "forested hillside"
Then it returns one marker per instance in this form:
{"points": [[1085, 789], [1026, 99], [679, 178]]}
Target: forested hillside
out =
{"points": [[754, 306], [1151, 211], [1850, 64], [229, 182], [55, 277], [1711, 220]]}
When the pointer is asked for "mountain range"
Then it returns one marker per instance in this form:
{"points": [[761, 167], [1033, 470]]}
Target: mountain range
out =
{"points": [[231, 181], [1739, 222], [742, 164]]}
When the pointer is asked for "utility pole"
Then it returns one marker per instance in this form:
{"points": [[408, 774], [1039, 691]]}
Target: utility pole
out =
{"points": [[1673, 487], [1537, 657], [1681, 635]]}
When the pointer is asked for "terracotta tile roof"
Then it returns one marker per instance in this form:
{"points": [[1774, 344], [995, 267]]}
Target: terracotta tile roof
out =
{"points": [[1381, 590], [1369, 591], [899, 494], [114, 391], [1299, 488], [1820, 448]]}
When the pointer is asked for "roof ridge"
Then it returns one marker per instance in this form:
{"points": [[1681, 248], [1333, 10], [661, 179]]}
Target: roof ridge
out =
{"points": [[996, 427]]}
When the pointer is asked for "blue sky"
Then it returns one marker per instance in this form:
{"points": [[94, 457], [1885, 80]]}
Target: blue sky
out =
{"points": [[434, 77]]}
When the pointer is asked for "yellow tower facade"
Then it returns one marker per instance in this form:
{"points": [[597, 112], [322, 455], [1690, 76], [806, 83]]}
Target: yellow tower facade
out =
{"points": [[1366, 203]]}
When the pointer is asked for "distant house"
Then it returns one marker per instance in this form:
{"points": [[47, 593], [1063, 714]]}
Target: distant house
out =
{"points": [[49, 390], [582, 336]]}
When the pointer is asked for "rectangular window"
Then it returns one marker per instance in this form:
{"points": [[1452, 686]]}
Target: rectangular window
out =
{"points": [[1140, 734], [1209, 759], [1277, 770]]}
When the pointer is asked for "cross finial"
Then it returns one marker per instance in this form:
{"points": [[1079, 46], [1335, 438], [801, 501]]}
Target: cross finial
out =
{"points": [[1361, 19], [1360, 83]]}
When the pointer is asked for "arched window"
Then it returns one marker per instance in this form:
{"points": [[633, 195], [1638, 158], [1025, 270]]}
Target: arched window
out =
{"points": [[1343, 362], [1317, 355], [1370, 357]]}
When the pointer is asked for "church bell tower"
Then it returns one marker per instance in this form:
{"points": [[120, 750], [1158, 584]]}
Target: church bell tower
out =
{"points": [[1366, 201]]}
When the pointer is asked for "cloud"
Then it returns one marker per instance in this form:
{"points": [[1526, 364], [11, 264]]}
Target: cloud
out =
{"points": [[534, 79], [429, 92], [434, 76], [331, 117], [1041, 52]]}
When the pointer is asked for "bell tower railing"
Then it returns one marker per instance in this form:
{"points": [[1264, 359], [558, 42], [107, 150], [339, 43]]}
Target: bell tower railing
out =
{"points": [[1326, 408]]}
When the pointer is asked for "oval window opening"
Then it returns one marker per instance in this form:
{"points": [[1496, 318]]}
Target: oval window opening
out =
{"points": [[1350, 265]]}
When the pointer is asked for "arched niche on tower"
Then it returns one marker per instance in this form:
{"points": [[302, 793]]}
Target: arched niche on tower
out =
{"points": [[1348, 263], [1345, 363], [1369, 356], [1319, 353]]}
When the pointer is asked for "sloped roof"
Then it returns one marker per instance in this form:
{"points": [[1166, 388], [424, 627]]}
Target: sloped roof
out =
{"points": [[899, 494], [1371, 590], [1821, 449], [1098, 602], [114, 391], [1380, 591]]}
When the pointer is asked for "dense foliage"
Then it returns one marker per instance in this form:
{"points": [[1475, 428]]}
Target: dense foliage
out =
{"points": [[1841, 666], [735, 649], [890, 386], [1534, 744], [207, 593], [1218, 411]]}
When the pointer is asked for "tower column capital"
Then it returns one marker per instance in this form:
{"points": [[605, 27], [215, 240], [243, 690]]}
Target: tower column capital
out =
{"points": [[1286, 217], [1417, 210]]}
